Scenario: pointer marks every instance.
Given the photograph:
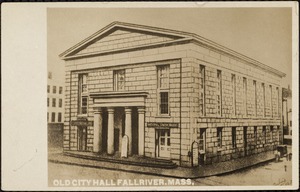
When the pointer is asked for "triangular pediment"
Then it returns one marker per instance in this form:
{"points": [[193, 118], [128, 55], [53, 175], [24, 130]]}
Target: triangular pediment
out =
{"points": [[119, 37], [122, 39]]}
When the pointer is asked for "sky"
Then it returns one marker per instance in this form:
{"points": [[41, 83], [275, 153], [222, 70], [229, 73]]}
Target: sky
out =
{"points": [[264, 34]]}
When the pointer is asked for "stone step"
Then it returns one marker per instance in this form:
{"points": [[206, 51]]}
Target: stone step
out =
{"points": [[138, 161]]}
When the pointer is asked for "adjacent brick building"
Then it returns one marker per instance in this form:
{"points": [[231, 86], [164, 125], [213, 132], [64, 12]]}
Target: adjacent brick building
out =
{"points": [[55, 111], [175, 95]]}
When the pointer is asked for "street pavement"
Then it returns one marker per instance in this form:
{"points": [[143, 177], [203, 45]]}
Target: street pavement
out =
{"points": [[268, 174], [271, 173], [264, 174]]}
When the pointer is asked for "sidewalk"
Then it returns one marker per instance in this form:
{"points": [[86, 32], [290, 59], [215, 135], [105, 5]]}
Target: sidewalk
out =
{"points": [[178, 172]]}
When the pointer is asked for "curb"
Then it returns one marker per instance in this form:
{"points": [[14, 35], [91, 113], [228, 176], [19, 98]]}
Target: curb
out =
{"points": [[158, 174], [169, 165]]}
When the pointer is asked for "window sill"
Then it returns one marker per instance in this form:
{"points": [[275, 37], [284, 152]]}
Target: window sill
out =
{"points": [[82, 115], [201, 152], [163, 116]]}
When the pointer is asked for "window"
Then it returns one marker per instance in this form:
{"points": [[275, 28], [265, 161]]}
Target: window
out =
{"points": [[47, 102], [83, 83], [53, 102], [59, 117], [47, 117], [60, 103], [48, 88], [255, 135], [49, 75], [164, 102], [84, 105], [264, 134], [119, 80], [290, 123], [264, 99], [163, 88], [219, 136], [219, 93], [271, 133], [60, 90], [233, 82], [245, 95], [83, 94], [202, 139], [271, 106], [53, 117], [233, 133], [255, 97], [278, 102], [202, 90]]}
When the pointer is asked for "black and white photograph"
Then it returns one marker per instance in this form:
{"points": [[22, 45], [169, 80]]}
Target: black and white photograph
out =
{"points": [[190, 96]]}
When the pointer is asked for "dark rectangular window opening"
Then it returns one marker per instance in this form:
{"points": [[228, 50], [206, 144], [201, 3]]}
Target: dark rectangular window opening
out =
{"points": [[163, 89], [233, 81], [53, 102], [219, 136], [202, 90], [255, 97], [82, 94], [264, 130], [59, 117], [219, 92], [164, 102], [233, 137], [255, 135], [60, 103], [84, 104], [53, 117]]}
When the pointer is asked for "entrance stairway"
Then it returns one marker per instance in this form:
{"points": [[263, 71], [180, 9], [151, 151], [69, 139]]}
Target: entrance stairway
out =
{"points": [[132, 160]]}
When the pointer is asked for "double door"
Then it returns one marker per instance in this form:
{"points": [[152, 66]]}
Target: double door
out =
{"points": [[163, 143]]}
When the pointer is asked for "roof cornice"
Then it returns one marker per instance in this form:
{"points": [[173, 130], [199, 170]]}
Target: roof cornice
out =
{"points": [[184, 35]]}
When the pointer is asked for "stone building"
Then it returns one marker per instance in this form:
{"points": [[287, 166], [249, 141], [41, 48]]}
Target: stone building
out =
{"points": [[175, 95], [55, 110], [55, 97]]}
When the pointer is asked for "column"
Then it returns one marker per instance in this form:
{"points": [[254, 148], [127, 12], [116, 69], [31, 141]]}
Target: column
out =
{"points": [[97, 131], [141, 112], [128, 129], [110, 131]]}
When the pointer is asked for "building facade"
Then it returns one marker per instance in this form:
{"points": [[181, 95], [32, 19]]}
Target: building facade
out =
{"points": [[55, 111], [168, 94], [55, 98]]}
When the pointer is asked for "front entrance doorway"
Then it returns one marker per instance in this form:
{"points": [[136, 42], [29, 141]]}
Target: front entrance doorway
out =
{"points": [[119, 129], [82, 138], [163, 144]]}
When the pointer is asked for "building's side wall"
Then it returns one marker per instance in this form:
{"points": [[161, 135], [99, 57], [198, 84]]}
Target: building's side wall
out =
{"points": [[214, 61]]}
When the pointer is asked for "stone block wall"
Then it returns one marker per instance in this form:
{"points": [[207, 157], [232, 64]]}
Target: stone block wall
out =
{"points": [[252, 116]]}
